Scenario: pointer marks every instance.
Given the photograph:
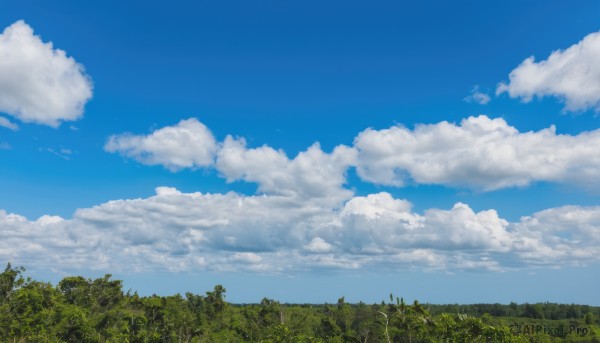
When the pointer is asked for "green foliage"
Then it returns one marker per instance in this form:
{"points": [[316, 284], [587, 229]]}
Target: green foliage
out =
{"points": [[86, 310], [10, 280]]}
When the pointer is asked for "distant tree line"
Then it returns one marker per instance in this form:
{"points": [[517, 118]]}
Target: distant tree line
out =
{"points": [[85, 310], [535, 311]]}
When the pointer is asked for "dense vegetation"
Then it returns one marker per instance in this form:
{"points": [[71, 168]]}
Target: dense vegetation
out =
{"points": [[85, 310]]}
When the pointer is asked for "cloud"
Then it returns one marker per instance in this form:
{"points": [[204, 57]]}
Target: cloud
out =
{"points": [[8, 124], [189, 144], [278, 234], [318, 245], [478, 97], [572, 75], [5, 146], [39, 84], [311, 174], [479, 153], [63, 153], [379, 223]]}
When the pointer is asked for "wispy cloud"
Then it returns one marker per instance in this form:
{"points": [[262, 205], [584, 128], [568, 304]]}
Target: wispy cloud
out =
{"points": [[4, 122], [65, 154], [478, 97]]}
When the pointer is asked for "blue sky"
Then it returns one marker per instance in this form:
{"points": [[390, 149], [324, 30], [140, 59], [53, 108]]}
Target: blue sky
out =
{"points": [[174, 147]]}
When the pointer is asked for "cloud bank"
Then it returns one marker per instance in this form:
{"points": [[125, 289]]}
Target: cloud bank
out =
{"points": [[279, 234], [304, 219], [479, 153], [572, 75], [39, 84]]}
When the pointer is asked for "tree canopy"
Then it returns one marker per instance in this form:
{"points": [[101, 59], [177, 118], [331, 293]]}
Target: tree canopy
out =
{"points": [[85, 310]]}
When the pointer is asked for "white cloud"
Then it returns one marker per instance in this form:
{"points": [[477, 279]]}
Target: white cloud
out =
{"points": [[380, 224], [572, 75], [278, 234], [480, 153], [246, 257], [39, 84], [189, 144], [8, 124], [5, 146], [478, 97], [63, 153], [312, 173], [318, 245], [570, 232], [305, 220]]}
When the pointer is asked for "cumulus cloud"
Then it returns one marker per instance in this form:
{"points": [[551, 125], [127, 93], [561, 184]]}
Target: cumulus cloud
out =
{"points": [[188, 144], [39, 84], [279, 234], [312, 173], [479, 153], [553, 232], [318, 245], [478, 97], [572, 75], [380, 224], [8, 124]]}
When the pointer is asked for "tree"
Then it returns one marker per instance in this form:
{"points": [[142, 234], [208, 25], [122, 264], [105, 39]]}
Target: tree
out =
{"points": [[329, 329], [343, 315], [411, 321], [216, 301], [77, 291], [10, 280], [106, 293], [590, 318], [270, 313], [32, 311], [533, 311], [74, 325]]}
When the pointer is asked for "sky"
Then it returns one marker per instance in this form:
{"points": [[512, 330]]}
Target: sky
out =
{"points": [[305, 150]]}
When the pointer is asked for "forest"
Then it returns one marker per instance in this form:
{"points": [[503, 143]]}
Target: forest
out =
{"points": [[85, 310]]}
